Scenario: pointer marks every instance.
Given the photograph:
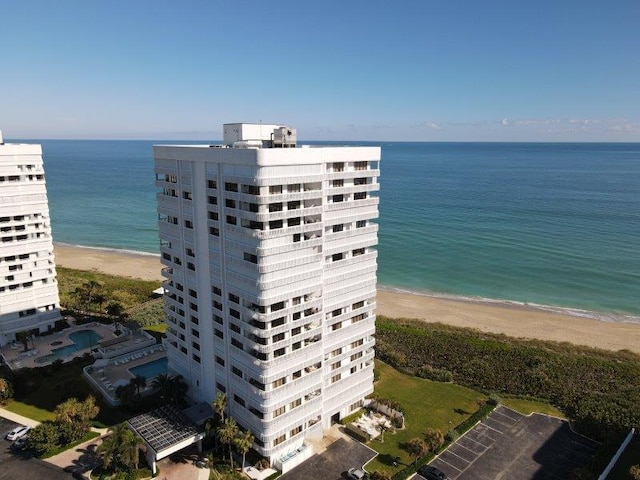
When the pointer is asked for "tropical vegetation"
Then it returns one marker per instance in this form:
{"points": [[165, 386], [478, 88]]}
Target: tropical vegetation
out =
{"points": [[596, 388], [72, 423], [120, 452]]}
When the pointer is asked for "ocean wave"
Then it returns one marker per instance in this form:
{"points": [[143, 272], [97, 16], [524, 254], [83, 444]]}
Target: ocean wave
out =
{"points": [[109, 249], [574, 312]]}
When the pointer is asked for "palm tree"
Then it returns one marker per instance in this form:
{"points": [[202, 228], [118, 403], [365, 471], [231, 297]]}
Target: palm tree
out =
{"points": [[178, 390], [416, 448], [162, 384], [243, 443], [130, 444], [220, 405], [100, 298], [226, 433], [139, 382], [382, 426], [109, 450]]}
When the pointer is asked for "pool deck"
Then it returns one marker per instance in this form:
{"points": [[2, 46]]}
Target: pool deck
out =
{"points": [[15, 356], [108, 374]]}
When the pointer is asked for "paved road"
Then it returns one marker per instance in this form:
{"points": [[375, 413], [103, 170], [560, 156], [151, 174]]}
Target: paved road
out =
{"points": [[20, 466]]}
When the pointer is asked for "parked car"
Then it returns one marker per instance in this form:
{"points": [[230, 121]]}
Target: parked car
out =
{"points": [[17, 433], [20, 443], [356, 474], [432, 473]]}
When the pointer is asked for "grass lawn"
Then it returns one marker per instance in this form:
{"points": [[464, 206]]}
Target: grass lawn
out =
{"points": [[42, 389], [426, 404], [526, 407]]}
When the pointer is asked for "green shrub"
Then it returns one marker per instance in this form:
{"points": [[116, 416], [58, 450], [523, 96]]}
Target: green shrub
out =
{"points": [[353, 417], [357, 433], [451, 436], [435, 374]]}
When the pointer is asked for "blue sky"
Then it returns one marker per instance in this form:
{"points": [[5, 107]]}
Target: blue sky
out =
{"points": [[423, 70]]}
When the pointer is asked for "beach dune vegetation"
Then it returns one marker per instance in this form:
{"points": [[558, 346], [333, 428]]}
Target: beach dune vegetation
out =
{"points": [[595, 388]]}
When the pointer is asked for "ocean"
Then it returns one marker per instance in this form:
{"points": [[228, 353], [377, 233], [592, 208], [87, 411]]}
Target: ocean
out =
{"points": [[554, 225]]}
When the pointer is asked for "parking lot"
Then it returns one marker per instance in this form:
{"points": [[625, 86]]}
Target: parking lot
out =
{"points": [[510, 445], [21, 466], [332, 464]]}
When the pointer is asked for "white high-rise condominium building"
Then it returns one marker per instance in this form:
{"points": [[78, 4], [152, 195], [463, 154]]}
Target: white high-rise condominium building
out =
{"points": [[28, 289], [270, 270]]}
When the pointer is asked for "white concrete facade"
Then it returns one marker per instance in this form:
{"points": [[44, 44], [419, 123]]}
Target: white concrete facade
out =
{"points": [[270, 284], [29, 299]]}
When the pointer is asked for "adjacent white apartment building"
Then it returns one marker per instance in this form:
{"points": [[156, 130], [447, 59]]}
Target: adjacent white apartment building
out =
{"points": [[28, 288], [270, 271]]}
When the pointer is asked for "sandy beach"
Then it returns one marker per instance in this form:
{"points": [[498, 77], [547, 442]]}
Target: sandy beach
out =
{"points": [[512, 320]]}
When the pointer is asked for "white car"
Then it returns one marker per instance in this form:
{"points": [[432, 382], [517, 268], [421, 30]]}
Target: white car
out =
{"points": [[17, 433], [355, 474]]}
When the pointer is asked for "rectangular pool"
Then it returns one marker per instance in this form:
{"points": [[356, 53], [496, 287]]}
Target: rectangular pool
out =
{"points": [[151, 369]]}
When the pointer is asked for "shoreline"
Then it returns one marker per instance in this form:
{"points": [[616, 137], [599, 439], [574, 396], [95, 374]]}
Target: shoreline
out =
{"points": [[515, 319]]}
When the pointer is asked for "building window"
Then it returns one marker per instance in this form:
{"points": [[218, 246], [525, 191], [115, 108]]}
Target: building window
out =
{"points": [[250, 257], [336, 377], [361, 223], [279, 440], [231, 187], [360, 195], [337, 228], [212, 184], [279, 382], [295, 431], [296, 374], [213, 216], [279, 352], [337, 183], [357, 251], [232, 220], [218, 333], [237, 344], [275, 189], [336, 326], [238, 400], [187, 195], [212, 200], [360, 166], [279, 411], [220, 361], [337, 198], [214, 231], [236, 371], [188, 224], [277, 338], [234, 298]]}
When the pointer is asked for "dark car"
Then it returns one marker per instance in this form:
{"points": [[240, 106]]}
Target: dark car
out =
{"points": [[432, 473]]}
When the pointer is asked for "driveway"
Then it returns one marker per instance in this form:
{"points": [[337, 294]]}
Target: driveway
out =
{"points": [[332, 464], [21, 466], [510, 445]]}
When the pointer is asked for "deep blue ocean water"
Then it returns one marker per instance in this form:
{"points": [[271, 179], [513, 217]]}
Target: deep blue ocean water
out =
{"points": [[547, 224]]}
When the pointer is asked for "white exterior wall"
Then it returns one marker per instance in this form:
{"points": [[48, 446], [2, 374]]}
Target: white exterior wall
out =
{"points": [[28, 289], [285, 278]]}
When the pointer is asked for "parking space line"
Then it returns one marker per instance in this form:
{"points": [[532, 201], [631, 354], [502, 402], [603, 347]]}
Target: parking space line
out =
{"points": [[502, 424], [491, 428], [512, 420], [452, 452], [440, 459], [475, 441]]}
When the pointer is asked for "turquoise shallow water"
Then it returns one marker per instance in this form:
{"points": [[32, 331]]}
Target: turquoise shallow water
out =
{"points": [[547, 224]]}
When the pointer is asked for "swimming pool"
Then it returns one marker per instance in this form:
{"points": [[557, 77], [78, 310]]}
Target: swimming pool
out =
{"points": [[151, 369], [81, 339]]}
